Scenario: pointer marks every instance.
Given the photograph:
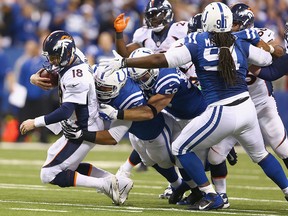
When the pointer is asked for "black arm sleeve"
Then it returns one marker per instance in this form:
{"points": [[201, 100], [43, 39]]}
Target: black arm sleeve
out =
{"points": [[276, 70], [62, 113]]}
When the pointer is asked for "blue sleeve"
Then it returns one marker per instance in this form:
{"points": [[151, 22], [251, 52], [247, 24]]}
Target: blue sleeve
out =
{"points": [[62, 113], [276, 70]]}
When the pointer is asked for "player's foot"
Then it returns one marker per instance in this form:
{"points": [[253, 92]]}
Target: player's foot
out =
{"points": [[232, 157], [167, 193], [208, 202], [142, 168], [122, 172], [125, 186], [193, 197], [178, 193], [225, 199], [110, 188]]}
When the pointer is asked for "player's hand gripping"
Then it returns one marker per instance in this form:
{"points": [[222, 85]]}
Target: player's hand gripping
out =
{"points": [[120, 23], [42, 82], [108, 112], [71, 132], [111, 65]]}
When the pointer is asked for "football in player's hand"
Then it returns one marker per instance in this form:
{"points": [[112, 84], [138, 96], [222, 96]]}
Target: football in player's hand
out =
{"points": [[53, 77]]}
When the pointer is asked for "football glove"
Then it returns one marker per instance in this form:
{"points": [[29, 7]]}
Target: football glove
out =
{"points": [[107, 112], [120, 23], [286, 36], [232, 157], [111, 65], [71, 132]]}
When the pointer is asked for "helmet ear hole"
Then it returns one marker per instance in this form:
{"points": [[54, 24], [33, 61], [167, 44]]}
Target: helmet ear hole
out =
{"points": [[217, 17]]}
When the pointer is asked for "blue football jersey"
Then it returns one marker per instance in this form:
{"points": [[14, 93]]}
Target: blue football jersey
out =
{"points": [[251, 35], [131, 96], [187, 102], [205, 58]]}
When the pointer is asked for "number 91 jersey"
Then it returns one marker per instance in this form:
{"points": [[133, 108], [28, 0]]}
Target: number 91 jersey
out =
{"points": [[260, 89]]}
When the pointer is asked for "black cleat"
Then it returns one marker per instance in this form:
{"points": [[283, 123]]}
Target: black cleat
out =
{"points": [[193, 197], [178, 193]]}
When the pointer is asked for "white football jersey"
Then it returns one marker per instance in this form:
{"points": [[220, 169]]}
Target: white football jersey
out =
{"points": [[257, 87], [77, 86], [143, 36]]}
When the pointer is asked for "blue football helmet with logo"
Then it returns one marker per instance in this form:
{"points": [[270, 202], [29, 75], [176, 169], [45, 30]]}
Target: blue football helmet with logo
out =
{"points": [[242, 15], [58, 47], [195, 23], [158, 14]]}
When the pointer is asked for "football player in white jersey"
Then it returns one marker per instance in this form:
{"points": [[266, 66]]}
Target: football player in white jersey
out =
{"points": [[79, 105], [158, 33], [152, 144], [261, 93], [221, 62]]}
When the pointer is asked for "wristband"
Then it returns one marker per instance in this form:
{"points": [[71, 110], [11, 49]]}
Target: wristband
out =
{"points": [[120, 114], [39, 121], [124, 63], [153, 109], [89, 136], [119, 35], [271, 49]]}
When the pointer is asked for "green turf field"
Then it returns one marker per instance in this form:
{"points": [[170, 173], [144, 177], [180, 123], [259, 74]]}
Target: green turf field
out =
{"points": [[250, 192]]}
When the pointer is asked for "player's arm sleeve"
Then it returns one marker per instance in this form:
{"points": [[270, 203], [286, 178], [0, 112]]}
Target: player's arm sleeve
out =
{"points": [[177, 56], [259, 57], [62, 113], [276, 70], [119, 128]]}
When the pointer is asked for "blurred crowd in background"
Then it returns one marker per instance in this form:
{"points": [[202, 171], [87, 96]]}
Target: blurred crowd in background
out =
{"points": [[24, 24]]}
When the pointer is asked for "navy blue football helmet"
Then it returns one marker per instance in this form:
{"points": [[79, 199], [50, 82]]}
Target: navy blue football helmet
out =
{"points": [[242, 15], [58, 47], [195, 23], [158, 14]]}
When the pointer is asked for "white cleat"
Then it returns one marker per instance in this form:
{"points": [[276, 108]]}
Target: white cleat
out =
{"points": [[167, 193], [125, 186], [111, 188]]}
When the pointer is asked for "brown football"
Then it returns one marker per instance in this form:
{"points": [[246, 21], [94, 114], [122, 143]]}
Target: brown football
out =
{"points": [[53, 77]]}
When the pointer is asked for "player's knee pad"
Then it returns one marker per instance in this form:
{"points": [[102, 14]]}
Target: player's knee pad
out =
{"points": [[84, 168], [214, 158], [219, 170], [64, 179], [46, 175]]}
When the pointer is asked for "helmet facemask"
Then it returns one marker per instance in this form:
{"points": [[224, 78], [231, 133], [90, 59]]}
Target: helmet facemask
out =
{"points": [[158, 14], [147, 79]]}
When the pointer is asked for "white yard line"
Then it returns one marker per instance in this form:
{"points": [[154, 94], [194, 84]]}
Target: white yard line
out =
{"points": [[38, 210], [135, 209]]}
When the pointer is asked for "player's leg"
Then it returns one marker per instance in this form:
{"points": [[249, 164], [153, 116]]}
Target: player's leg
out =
{"points": [[252, 142], [272, 129], [62, 160], [201, 133]]}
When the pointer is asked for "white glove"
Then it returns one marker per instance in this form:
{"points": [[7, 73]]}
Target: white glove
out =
{"points": [[111, 65], [107, 112]]}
